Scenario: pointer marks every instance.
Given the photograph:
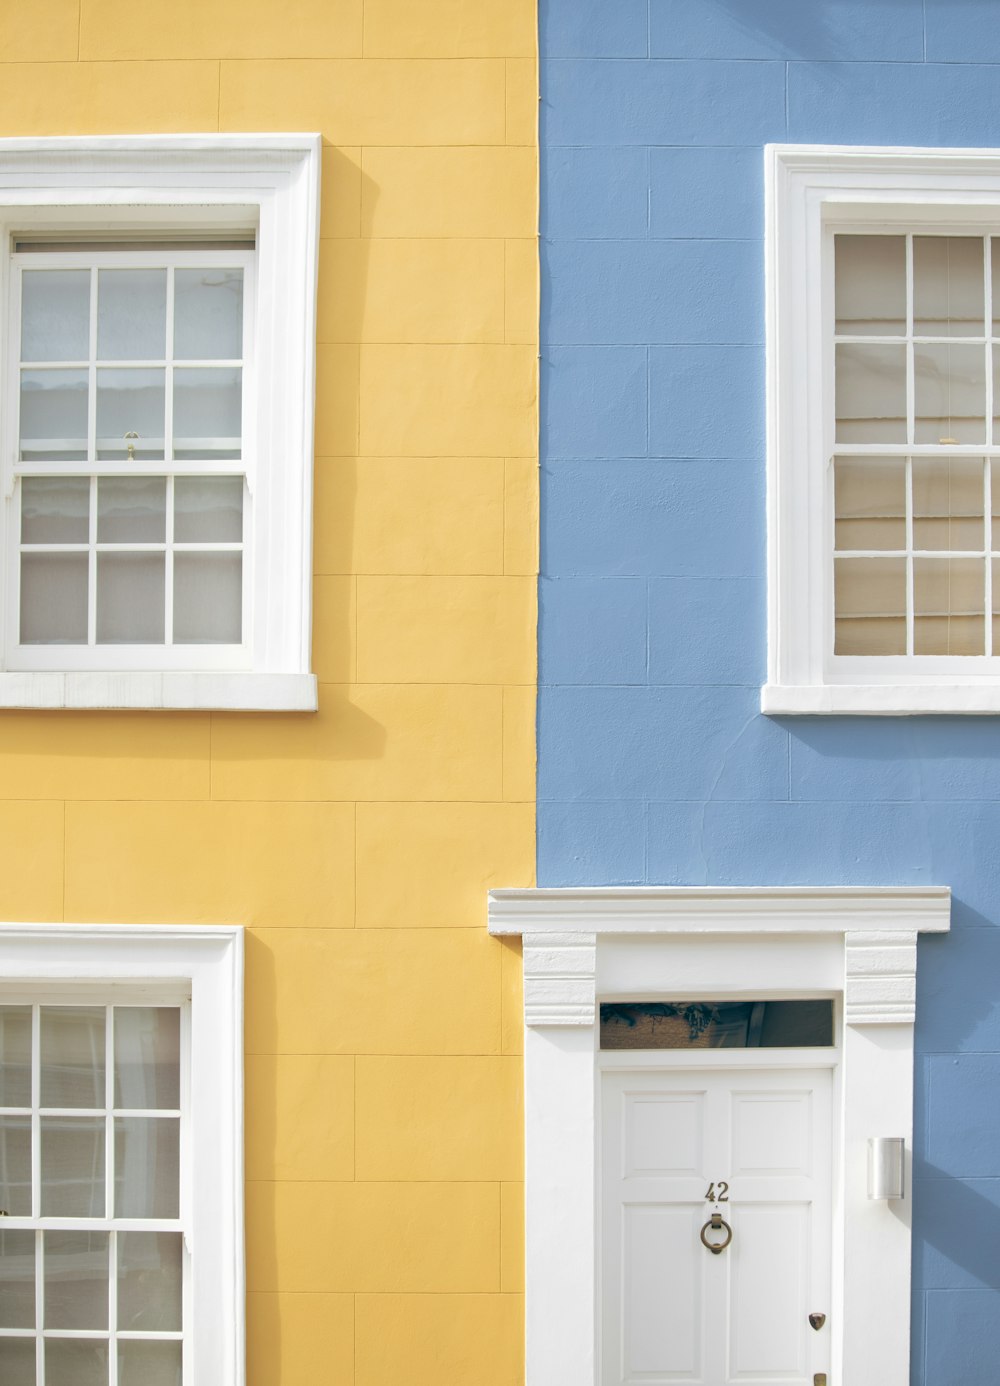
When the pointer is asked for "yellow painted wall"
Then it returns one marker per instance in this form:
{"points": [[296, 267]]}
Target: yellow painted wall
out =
{"points": [[383, 1027]]}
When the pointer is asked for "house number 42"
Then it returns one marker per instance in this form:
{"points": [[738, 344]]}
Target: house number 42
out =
{"points": [[722, 1196]]}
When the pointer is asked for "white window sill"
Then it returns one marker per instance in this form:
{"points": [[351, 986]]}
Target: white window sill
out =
{"points": [[227, 690], [887, 700]]}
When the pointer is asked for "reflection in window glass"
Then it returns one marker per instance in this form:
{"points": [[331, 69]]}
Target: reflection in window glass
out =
{"points": [[717, 1024]]}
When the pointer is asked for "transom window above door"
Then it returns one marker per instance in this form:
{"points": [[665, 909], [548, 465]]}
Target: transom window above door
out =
{"points": [[917, 437], [131, 503]]}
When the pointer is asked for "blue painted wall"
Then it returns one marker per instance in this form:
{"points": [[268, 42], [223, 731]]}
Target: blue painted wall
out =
{"points": [[654, 762]]}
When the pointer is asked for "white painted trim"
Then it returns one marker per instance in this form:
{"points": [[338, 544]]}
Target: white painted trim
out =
{"points": [[207, 964], [231, 690], [583, 944], [718, 909], [877, 700], [808, 189], [268, 184]]}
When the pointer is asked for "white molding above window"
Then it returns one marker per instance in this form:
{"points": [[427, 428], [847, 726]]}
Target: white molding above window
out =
{"points": [[181, 186], [582, 946], [809, 190], [123, 964]]}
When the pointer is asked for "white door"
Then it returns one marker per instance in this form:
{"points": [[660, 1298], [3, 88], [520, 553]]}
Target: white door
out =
{"points": [[753, 1147]]}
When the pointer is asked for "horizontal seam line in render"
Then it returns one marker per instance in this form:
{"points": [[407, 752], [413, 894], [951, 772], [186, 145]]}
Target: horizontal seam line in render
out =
{"points": [[919, 1181], [359, 929], [394, 1293], [798, 803], [546, 344], [965, 1053], [602, 240], [715, 60], [90, 59]]}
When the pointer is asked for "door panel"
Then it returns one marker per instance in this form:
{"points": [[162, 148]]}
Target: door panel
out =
{"points": [[662, 1316], [767, 1282], [664, 1133], [772, 1133], [758, 1140]]}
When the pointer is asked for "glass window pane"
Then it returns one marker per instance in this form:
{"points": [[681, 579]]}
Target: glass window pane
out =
{"points": [[147, 1056], [208, 406], [870, 605], [15, 1166], [995, 518], [716, 1024], [17, 1281], [53, 418], [147, 1167], [76, 1270], [948, 605], [55, 510], [131, 314], [131, 510], [76, 1362], [54, 599], [15, 1056], [17, 1361], [208, 510], [995, 243], [948, 286], [950, 394], [130, 401], [208, 314], [208, 598], [996, 386], [948, 503], [130, 596], [73, 1167], [72, 1047], [871, 394], [149, 1364], [55, 315], [870, 280], [870, 502], [150, 1282]]}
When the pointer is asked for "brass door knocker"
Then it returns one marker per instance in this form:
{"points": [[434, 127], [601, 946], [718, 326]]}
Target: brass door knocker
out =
{"points": [[716, 1223]]}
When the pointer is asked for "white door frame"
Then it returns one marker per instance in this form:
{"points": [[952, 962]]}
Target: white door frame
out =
{"points": [[582, 945]]}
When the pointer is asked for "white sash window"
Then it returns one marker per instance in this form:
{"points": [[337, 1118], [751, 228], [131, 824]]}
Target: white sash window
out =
{"points": [[93, 1270], [884, 431], [157, 363], [131, 500], [121, 1246]]}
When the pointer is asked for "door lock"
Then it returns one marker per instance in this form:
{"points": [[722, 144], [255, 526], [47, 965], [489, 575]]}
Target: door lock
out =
{"points": [[819, 1378]]}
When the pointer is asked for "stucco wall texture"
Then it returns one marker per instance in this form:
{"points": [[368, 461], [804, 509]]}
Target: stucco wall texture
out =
{"points": [[654, 762], [382, 1024]]}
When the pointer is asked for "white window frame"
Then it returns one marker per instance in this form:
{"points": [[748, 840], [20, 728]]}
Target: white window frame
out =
{"points": [[810, 191], [121, 964], [193, 185], [582, 946]]}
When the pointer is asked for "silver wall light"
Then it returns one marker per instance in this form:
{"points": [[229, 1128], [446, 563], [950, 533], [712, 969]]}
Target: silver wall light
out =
{"points": [[885, 1166]]}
